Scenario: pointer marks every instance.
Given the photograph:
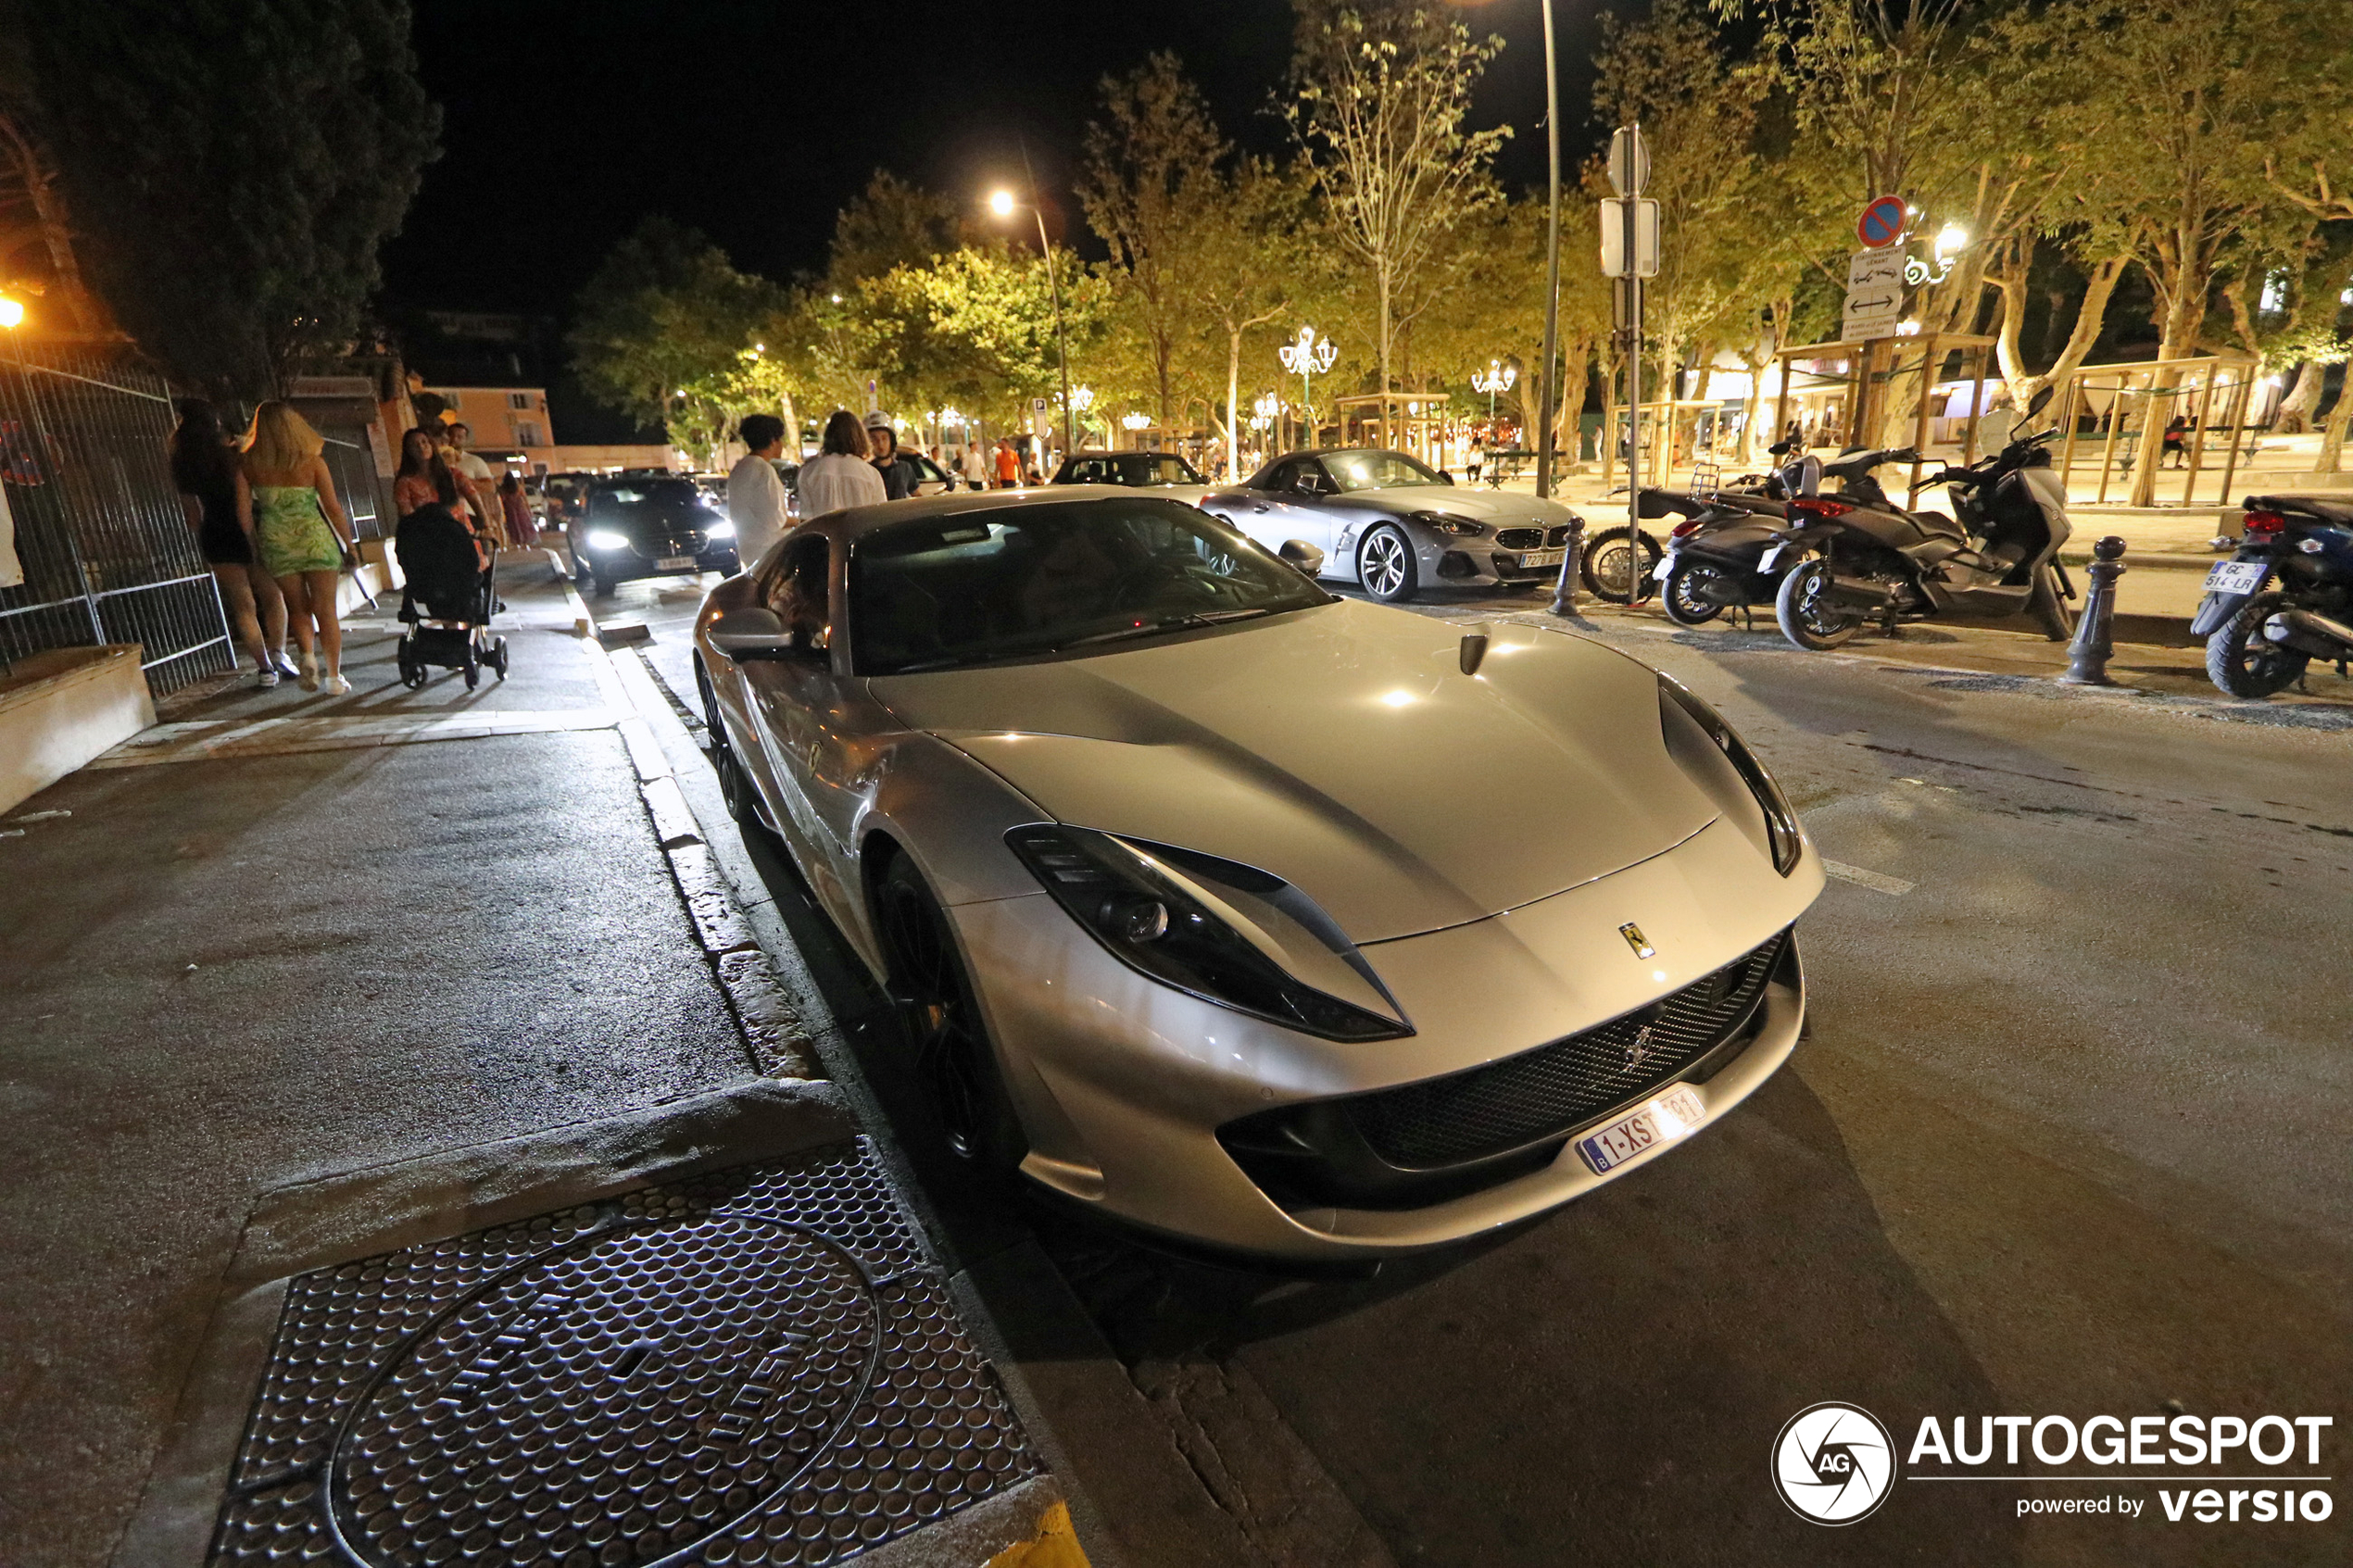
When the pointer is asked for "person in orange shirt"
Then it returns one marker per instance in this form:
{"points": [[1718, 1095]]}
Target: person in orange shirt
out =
{"points": [[1008, 465]]}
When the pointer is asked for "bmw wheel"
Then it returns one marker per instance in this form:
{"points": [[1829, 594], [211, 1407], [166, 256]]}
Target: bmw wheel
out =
{"points": [[1808, 616], [1385, 565], [2241, 662], [1679, 595], [953, 1057]]}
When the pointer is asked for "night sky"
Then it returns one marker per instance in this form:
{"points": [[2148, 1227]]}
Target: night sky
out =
{"points": [[567, 120]]}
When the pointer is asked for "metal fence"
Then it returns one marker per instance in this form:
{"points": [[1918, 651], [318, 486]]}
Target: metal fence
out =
{"points": [[106, 552]]}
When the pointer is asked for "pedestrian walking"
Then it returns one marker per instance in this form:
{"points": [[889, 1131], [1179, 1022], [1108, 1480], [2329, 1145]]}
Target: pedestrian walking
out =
{"points": [[841, 474], [301, 534], [218, 503], [521, 531], [1008, 464], [975, 467], [424, 485], [901, 474], [755, 493], [473, 477]]}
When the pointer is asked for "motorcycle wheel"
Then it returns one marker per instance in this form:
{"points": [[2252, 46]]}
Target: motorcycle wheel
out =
{"points": [[2243, 662], [1807, 617], [1603, 568], [1682, 605]]}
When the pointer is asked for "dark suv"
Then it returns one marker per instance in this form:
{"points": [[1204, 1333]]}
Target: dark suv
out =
{"points": [[636, 526]]}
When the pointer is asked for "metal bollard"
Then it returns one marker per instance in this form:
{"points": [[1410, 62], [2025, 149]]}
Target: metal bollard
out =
{"points": [[1565, 591], [2087, 655]]}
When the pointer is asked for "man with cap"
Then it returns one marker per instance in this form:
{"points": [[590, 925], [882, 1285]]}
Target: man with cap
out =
{"points": [[901, 474]]}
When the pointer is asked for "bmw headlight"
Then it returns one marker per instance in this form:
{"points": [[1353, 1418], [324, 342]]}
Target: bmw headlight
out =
{"points": [[1150, 924], [719, 528], [605, 539], [1447, 522], [1780, 822]]}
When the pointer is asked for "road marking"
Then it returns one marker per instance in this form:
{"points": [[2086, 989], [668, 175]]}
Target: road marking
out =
{"points": [[207, 739], [1877, 882]]}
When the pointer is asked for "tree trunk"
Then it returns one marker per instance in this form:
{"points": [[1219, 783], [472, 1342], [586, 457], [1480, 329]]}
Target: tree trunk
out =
{"points": [[2332, 437], [57, 230], [1233, 414], [2295, 416], [2091, 316], [1568, 408], [2184, 313], [792, 425], [1383, 274]]}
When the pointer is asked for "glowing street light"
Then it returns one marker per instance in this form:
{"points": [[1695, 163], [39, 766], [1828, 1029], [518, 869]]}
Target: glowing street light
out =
{"points": [[11, 313], [1002, 203], [1138, 420], [1497, 377], [1304, 356], [1951, 240]]}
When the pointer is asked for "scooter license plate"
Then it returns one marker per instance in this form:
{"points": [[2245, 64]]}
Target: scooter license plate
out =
{"points": [[2237, 577]]}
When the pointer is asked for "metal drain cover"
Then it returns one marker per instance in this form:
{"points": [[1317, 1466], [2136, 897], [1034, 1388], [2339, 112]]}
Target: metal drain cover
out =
{"points": [[755, 1367]]}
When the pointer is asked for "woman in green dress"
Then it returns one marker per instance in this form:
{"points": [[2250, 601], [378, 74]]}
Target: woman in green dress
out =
{"points": [[301, 534]]}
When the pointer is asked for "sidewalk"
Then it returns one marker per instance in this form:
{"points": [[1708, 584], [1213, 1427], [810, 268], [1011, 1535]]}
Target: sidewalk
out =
{"points": [[445, 980]]}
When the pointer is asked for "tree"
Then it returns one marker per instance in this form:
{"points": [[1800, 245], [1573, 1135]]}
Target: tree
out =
{"points": [[1150, 163], [234, 167], [1247, 247], [1379, 99], [663, 327]]}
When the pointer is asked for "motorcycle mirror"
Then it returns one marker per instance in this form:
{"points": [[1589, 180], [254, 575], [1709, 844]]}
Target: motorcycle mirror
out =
{"points": [[1778, 449], [2039, 402]]}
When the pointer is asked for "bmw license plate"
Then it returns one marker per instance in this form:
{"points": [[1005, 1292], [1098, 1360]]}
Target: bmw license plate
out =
{"points": [[676, 563], [1662, 1121], [1540, 558], [2237, 577]]}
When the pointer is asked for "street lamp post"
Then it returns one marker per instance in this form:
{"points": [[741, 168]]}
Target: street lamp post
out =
{"points": [[1002, 204], [1305, 357], [1497, 377]]}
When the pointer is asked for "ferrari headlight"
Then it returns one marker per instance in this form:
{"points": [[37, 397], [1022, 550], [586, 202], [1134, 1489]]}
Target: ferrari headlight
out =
{"points": [[1150, 924], [1447, 522], [605, 539], [719, 528], [1780, 822]]}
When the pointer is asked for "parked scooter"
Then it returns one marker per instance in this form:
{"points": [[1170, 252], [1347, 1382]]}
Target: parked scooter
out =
{"points": [[2258, 642], [1712, 560], [1858, 557]]}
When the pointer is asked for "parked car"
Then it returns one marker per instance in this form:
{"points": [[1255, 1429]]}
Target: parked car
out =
{"points": [[1163, 474], [1184, 872], [1394, 527], [650, 526]]}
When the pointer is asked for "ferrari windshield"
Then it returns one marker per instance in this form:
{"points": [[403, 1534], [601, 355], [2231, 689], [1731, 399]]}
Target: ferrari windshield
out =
{"points": [[1006, 581], [1376, 470]]}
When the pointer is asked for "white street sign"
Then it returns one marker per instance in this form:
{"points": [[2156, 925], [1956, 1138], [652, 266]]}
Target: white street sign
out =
{"points": [[1630, 161], [1613, 238], [1041, 422], [1874, 296]]}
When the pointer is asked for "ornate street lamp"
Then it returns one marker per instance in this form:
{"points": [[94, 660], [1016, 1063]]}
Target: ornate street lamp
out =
{"points": [[1306, 357], [1497, 377]]}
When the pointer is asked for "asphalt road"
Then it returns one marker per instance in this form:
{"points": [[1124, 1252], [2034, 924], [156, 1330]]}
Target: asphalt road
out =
{"points": [[2067, 1138]]}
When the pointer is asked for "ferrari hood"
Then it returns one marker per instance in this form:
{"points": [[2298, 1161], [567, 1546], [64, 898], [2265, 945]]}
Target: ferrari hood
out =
{"points": [[1343, 749]]}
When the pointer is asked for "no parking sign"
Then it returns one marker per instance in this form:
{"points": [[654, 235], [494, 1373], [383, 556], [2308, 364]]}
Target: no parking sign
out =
{"points": [[1883, 222]]}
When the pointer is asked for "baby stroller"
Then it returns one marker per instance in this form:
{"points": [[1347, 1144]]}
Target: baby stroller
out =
{"points": [[446, 601]]}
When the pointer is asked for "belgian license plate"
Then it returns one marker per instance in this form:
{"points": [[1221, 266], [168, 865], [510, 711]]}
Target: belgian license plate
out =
{"points": [[1541, 557], [2237, 577], [676, 563], [1662, 1121]]}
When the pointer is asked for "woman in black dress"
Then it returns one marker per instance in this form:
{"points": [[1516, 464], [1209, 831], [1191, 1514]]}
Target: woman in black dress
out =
{"points": [[219, 507]]}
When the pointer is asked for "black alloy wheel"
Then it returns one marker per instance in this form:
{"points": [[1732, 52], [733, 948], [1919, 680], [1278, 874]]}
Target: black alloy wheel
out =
{"points": [[1385, 564], [1808, 615], [1680, 597], [2243, 662], [953, 1057], [1612, 573]]}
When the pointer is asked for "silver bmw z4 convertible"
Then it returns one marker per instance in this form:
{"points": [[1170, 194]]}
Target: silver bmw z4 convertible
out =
{"points": [[1279, 922]]}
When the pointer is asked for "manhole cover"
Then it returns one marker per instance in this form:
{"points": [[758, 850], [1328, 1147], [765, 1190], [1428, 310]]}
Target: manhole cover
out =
{"points": [[756, 1367]]}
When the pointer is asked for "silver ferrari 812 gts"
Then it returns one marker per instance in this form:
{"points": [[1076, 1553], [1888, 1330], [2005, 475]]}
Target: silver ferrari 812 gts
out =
{"points": [[1267, 919]]}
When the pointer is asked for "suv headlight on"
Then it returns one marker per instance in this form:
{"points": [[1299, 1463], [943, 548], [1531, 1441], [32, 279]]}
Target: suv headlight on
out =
{"points": [[1148, 922], [1447, 522], [719, 528], [605, 539], [1720, 762]]}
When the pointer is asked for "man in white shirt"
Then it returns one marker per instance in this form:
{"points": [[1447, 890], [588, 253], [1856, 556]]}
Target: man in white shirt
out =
{"points": [[485, 483], [755, 494]]}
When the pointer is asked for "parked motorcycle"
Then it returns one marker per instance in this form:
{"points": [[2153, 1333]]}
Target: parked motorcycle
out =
{"points": [[1856, 557], [2259, 642]]}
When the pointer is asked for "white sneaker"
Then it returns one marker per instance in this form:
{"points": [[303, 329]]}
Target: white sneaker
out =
{"points": [[308, 680], [334, 686], [265, 677], [285, 666]]}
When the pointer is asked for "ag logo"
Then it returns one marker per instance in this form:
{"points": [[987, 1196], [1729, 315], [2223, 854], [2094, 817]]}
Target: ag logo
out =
{"points": [[1833, 1463]]}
